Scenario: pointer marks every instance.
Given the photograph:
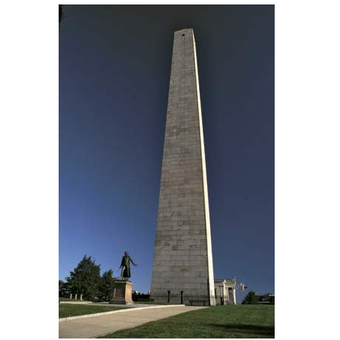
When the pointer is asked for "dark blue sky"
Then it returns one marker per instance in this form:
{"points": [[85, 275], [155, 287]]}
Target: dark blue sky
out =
{"points": [[114, 78]]}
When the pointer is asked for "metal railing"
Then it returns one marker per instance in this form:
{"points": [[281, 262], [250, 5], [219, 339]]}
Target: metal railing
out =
{"points": [[192, 300]]}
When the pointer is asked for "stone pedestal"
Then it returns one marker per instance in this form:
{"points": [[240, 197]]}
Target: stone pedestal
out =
{"points": [[122, 292]]}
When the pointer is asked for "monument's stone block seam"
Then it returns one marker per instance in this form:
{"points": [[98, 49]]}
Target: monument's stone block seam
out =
{"points": [[183, 259]]}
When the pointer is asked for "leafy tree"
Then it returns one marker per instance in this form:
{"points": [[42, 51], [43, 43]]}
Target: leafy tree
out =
{"points": [[85, 278], [250, 299], [61, 284], [106, 286], [64, 289]]}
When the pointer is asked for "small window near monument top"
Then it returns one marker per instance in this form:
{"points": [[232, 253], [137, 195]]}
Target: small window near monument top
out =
{"points": [[183, 35]]}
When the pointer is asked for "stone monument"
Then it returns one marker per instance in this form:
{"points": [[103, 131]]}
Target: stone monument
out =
{"points": [[183, 265], [122, 292], [122, 288], [225, 291]]}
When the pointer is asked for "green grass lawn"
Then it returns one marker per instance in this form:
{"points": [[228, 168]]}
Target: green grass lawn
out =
{"points": [[241, 321], [66, 310], [65, 299]]}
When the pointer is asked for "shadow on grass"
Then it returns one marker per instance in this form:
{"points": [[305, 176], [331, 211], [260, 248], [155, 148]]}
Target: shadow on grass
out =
{"points": [[267, 331]]}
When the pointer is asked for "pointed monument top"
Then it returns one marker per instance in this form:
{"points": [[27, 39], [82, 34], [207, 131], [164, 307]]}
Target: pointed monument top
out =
{"points": [[185, 31]]}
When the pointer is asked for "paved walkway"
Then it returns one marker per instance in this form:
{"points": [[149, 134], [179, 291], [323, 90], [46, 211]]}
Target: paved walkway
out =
{"points": [[92, 327], [132, 305]]}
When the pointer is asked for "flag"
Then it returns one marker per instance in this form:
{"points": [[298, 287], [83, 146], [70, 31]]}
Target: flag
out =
{"points": [[243, 286]]}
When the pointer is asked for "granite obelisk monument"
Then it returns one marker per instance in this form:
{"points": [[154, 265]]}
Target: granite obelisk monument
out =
{"points": [[183, 265]]}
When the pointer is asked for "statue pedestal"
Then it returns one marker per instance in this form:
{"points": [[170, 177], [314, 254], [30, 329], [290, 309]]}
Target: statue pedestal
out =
{"points": [[122, 292]]}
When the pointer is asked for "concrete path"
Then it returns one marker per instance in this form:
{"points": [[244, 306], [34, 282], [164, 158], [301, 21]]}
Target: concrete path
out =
{"points": [[92, 327], [132, 305]]}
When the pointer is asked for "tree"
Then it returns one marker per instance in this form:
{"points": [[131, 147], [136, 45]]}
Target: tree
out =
{"points": [[64, 289], [106, 286], [61, 284], [250, 299], [85, 278]]}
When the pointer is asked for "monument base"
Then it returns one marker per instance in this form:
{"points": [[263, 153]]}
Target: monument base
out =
{"points": [[122, 292]]}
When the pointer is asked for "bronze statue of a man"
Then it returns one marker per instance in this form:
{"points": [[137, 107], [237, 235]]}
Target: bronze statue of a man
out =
{"points": [[125, 265]]}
